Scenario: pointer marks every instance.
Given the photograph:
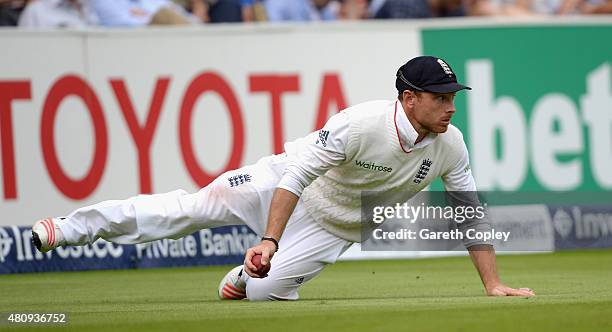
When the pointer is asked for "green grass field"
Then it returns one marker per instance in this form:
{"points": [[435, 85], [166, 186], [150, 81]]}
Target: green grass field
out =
{"points": [[574, 294]]}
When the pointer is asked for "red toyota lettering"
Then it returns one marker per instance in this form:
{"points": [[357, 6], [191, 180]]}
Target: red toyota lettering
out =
{"points": [[331, 92], [71, 85], [9, 91], [142, 135], [201, 84], [275, 85]]}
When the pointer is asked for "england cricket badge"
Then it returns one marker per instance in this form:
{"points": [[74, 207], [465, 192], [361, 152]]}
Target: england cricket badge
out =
{"points": [[423, 170]]}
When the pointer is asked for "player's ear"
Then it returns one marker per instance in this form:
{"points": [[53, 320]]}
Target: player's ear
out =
{"points": [[408, 97]]}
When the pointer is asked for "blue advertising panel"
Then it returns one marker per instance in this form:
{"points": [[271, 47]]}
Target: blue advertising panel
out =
{"points": [[223, 245], [582, 226]]}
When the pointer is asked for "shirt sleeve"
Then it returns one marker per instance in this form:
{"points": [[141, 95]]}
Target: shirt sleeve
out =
{"points": [[460, 178], [461, 188], [311, 156]]}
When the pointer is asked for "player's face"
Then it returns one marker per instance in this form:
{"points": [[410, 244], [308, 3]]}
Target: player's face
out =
{"points": [[433, 111]]}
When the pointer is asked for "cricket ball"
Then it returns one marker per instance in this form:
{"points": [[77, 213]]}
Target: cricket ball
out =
{"points": [[261, 269]]}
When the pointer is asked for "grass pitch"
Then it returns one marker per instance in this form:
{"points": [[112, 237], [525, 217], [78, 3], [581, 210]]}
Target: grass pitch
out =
{"points": [[574, 294]]}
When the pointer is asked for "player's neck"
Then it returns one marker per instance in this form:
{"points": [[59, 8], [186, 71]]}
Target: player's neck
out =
{"points": [[421, 132], [420, 137]]}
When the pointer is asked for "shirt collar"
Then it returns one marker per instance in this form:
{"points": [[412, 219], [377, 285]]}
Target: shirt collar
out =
{"points": [[407, 134]]}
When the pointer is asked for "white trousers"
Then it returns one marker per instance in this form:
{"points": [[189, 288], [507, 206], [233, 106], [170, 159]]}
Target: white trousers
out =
{"points": [[236, 197]]}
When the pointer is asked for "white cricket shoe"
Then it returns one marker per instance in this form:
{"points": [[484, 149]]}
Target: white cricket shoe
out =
{"points": [[232, 286], [46, 235]]}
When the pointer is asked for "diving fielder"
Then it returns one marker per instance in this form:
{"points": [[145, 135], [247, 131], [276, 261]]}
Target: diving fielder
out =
{"points": [[310, 195]]}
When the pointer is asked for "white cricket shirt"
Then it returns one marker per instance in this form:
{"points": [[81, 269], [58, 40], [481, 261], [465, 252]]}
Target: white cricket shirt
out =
{"points": [[369, 147]]}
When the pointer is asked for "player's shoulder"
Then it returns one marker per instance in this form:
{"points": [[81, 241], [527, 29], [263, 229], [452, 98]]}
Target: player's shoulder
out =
{"points": [[452, 138], [453, 133]]}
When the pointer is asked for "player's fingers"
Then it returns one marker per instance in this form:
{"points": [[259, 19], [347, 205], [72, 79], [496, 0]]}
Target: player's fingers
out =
{"points": [[249, 272], [265, 257], [529, 290], [525, 292], [248, 264], [518, 292], [253, 272]]}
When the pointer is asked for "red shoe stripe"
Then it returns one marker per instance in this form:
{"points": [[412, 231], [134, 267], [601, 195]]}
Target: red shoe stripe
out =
{"points": [[229, 290], [44, 223], [235, 292], [230, 286], [52, 225], [230, 296], [51, 232]]}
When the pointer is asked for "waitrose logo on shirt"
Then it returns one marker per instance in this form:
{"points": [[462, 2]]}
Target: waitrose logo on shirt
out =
{"points": [[372, 166]]}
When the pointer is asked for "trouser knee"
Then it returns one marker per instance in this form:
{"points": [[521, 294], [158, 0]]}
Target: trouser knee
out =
{"points": [[267, 289]]}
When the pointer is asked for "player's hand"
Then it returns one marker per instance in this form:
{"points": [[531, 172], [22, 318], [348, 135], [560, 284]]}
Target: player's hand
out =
{"points": [[266, 249], [503, 290]]}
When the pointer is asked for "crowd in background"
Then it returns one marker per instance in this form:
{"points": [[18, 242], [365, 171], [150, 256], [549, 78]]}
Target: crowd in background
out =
{"points": [[134, 13]]}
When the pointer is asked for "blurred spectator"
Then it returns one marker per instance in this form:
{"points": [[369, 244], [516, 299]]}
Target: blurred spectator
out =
{"points": [[213, 11], [587, 6], [225, 11], [597, 7], [512, 7], [546, 7], [498, 7], [197, 8], [133, 13], [10, 11], [354, 9], [58, 14], [537, 7], [447, 8], [568, 7], [561, 7], [401, 9], [253, 11], [375, 7], [169, 15], [301, 10]]}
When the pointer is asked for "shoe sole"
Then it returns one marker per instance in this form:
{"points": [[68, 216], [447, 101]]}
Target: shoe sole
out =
{"points": [[36, 241]]}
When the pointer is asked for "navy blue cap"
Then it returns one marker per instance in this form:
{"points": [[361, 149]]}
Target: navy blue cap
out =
{"points": [[428, 74]]}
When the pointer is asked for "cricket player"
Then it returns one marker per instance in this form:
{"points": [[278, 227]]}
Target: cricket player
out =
{"points": [[305, 203]]}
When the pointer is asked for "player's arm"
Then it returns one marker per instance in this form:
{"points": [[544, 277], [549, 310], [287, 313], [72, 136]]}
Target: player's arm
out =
{"points": [[282, 206], [483, 257], [460, 183], [309, 158]]}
